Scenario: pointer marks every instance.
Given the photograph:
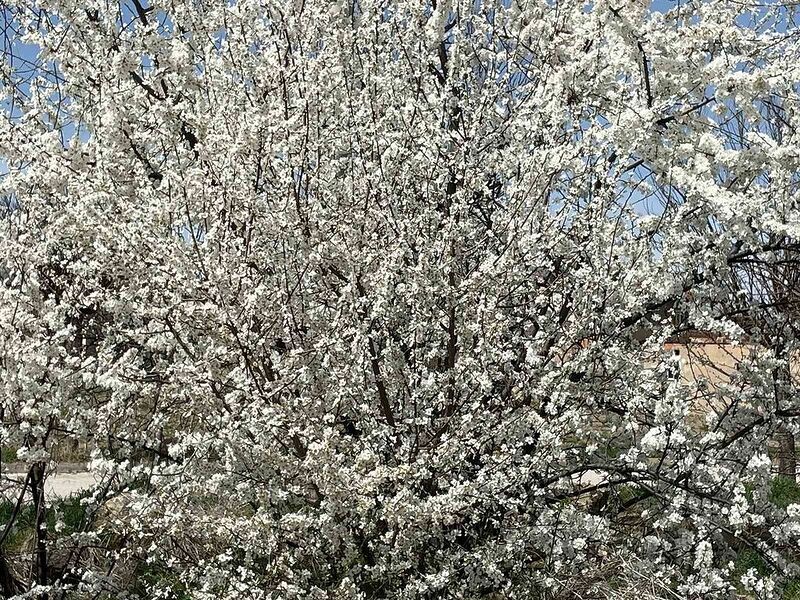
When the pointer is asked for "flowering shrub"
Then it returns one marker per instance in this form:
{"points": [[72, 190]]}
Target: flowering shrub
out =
{"points": [[368, 299]]}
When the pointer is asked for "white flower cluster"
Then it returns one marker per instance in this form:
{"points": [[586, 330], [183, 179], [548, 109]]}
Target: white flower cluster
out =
{"points": [[370, 299]]}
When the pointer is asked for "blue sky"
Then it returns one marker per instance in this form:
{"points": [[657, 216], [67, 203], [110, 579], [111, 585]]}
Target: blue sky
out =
{"points": [[22, 57]]}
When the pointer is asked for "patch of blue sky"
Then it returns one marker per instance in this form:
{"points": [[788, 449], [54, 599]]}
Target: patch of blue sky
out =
{"points": [[769, 14], [21, 59], [31, 71]]}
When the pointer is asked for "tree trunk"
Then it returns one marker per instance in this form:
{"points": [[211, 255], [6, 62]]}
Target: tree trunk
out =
{"points": [[40, 555], [787, 455], [782, 380], [8, 584]]}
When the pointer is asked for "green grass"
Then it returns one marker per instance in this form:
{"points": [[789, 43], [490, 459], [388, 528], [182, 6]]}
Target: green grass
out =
{"points": [[23, 524], [749, 559], [150, 577], [8, 454], [783, 492], [792, 590], [71, 511]]}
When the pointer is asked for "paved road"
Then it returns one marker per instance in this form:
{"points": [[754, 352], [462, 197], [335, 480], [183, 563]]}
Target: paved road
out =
{"points": [[66, 484], [57, 485], [72, 479], [590, 477]]}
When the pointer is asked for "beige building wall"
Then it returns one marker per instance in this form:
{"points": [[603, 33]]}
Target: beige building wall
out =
{"points": [[704, 358], [708, 360], [710, 365]]}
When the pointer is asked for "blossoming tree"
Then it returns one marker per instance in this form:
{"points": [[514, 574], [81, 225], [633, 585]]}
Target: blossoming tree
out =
{"points": [[367, 299]]}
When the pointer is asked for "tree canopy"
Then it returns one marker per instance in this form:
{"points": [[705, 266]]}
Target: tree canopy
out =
{"points": [[369, 299]]}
